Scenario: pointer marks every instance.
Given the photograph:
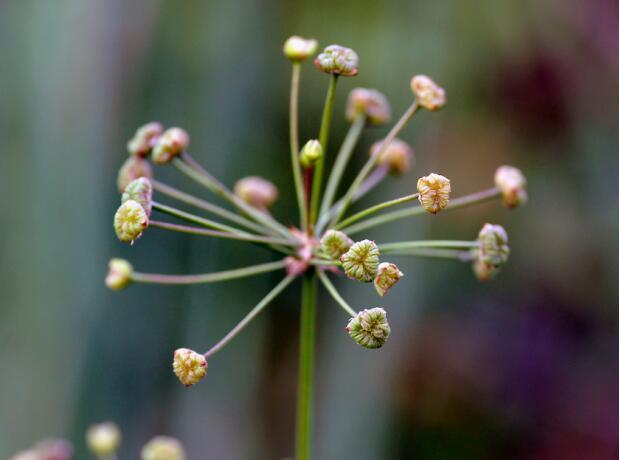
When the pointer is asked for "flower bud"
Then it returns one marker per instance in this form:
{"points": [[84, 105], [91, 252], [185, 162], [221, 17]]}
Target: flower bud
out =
{"points": [[512, 183], [133, 168], [369, 328], [335, 243], [140, 190], [369, 102], [54, 449], [299, 49], [26, 455], [163, 448], [311, 153], [256, 191], [493, 251], [338, 60], [143, 140], [190, 367], [130, 221], [170, 144], [103, 439], [387, 276], [397, 156], [360, 262], [434, 191], [429, 95], [119, 274]]}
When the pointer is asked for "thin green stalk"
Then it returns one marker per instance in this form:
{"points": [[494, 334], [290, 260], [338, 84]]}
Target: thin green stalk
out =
{"points": [[376, 208], [463, 256], [467, 200], [155, 278], [372, 161], [325, 262], [342, 159], [306, 366], [403, 245], [294, 139], [334, 293], [250, 316], [323, 139], [196, 219]]}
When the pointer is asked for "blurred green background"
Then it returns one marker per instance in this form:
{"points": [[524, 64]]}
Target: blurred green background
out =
{"points": [[523, 367]]}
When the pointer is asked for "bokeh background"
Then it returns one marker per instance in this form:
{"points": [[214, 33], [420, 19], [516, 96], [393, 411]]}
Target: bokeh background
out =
{"points": [[523, 367]]}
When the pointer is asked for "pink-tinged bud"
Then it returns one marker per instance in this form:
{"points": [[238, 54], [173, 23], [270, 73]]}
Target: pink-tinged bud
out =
{"points": [[361, 261], [338, 60], [130, 221], [140, 190], [387, 276], [493, 252], [103, 439], [295, 266], [434, 191], [512, 183], [190, 367], [133, 168], [170, 144], [335, 243], [163, 448], [397, 156], [54, 449], [299, 49], [26, 455], [369, 102], [429, 95], [256, 191], [369, 328], [119, 274], [144, 139]]}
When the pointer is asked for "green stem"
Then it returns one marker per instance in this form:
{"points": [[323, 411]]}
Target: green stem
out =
{"points": [[376, 208], [334, 293], [196, 219], [250, 316], [467, 200], [398, 246], [294, 139], [323, 139], [156, 278], [463, 256], [306, 366]]}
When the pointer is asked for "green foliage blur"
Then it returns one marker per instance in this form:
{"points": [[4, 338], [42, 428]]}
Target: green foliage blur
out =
{"points": [[523, 367]]}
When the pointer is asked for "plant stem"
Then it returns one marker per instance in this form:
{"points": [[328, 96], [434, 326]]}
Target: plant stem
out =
{"points": [[392, 247], [334, 293], [250, 316], [323, 139], [467, 200], [376, 208], [294, 139], [196, 219], [463, 256], [306, 366], [155, 278]]}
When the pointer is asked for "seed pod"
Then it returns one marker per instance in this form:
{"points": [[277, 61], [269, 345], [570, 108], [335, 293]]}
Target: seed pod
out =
{"points": [[387, 276], [338, 60], [512, 183], [434, 191], [369, 102], [335, 243], [369, 328], [190, 367], [429, 95], [361, 261]]}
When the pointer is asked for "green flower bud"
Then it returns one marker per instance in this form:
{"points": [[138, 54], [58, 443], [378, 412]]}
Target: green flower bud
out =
{"points": [[119, 274], [170, 144], [434, 191], [163, 448], [387, 276], [338, 60], [369, 328], [369, 102], [397, 156], [133, 168], [311, 153], [512, 183], [335, 243], [190, 367], [103, 439], [493, 251], [361, 261], [140, 190], [299, 49], [429, 95], [256, 191], [143, 140], [130, 221]]}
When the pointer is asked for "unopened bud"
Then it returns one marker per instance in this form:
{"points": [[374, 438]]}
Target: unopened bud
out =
{"points": [[299, 49], [103, 439], [163, 448], [54, 449], [144, 139], [133, 168], [429, 95], [434, 191], [335, 243], [369, 328], [310, 153], [190, 367], [170, 144], [387, 276], [397, 156], [361, 261], [256, 191], [493, 251], [140, 190], [369, 102], [130, 221], [338, 60], [512, 183], [119, 275]]}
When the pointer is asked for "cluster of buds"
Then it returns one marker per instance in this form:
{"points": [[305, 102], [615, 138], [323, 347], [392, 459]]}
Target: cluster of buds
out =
{"points": [[370, 103], [190, 367], [492, 253], [256, 191], [512, 183], [396, 157], [434, 191]]}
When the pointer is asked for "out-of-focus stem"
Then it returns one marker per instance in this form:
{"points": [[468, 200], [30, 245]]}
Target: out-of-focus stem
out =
{"points": [[376, 208], [196, 219], [334, 293], [294, 140], [463, 256], [387, 248]]}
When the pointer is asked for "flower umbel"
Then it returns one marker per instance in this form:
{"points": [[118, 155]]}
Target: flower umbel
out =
{"points": [[387, 276], [434, 191], [368, 102], [396, 156], [140, 190], [338, 60], [512, 183], [493, 251], [369, 328], [130, 221], [430, 95], [190, 367], [361, 261], [335, 243]]}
